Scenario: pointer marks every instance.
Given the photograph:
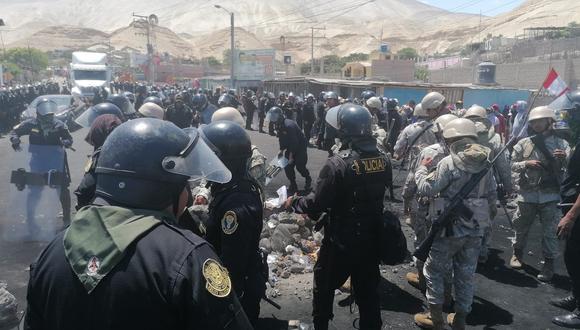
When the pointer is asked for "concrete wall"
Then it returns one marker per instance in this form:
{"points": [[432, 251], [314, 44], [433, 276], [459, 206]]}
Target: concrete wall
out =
{"points": [[393, 70], [516, 75]]}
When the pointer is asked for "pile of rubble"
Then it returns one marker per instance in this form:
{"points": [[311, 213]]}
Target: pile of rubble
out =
{"points": [[291, 244]]}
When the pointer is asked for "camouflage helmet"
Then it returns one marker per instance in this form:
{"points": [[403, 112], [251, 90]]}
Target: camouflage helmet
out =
{"points": [[458, 128], [432, 100], [475, 111], [542, 112], [442, 121]]}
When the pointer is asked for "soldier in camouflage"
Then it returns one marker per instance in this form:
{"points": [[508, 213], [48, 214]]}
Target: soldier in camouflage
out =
{"points": [[414, 138], [420, 224], [539, 161], [458, 250], [501, 168]]}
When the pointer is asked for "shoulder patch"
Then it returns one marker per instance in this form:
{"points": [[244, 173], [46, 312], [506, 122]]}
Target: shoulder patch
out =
{"points": [[229, 222], [217, 279]]}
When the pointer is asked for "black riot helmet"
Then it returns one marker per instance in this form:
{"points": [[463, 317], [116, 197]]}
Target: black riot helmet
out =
{"points": [[145, 163], [87, 118], [331, 95], [199, 101], [275, 115], [367, 94], [153, 99], [321, 96], [130, 96], [122, 102], [230, 143], [225, 100], [46, 107], [350, 120]]}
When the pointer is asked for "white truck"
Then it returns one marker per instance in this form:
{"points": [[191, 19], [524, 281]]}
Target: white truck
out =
{"points": [[88, 73]]}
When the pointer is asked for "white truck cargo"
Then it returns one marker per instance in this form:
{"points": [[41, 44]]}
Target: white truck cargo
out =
{"points": [[88, 73]]}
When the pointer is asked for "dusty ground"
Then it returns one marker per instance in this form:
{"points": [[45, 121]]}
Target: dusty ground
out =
{"points": [[505, 299]]}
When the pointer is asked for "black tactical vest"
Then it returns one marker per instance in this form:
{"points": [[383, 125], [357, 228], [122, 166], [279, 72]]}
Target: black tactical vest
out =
{"points": [[358, 208]]}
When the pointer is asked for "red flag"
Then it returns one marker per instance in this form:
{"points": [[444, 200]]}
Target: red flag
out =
{"points": [[555, 84]]}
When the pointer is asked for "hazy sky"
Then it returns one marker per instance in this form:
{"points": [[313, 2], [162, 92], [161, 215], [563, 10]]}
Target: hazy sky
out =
{"points": [[487, 7]]}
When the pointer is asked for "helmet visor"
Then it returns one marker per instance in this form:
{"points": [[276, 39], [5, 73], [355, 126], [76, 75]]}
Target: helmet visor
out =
{"points": [[273, 116], [87, 118], [197, 161], [332, 117], [46, 108]]}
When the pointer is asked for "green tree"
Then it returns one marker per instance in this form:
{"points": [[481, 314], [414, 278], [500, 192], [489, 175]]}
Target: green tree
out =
{"points": [[407, 53], [12, 68], [30, 59], [211, 61], [226, 56], [422, 73], [355, 57]]}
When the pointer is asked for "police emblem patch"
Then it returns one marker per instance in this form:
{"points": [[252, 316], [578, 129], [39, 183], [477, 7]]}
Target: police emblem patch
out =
{"points": [[217, 279], [93, 266], [229, 222]]}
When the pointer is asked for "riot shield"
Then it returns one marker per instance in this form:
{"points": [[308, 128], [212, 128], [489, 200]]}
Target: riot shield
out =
{"points": [[37, 177]]}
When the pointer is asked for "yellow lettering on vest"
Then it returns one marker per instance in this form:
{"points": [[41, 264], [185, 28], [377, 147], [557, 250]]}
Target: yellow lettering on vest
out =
{"points": [[373, 165]]}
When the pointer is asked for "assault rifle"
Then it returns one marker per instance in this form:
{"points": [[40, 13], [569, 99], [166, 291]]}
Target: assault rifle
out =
{"points": [[456, 206]]}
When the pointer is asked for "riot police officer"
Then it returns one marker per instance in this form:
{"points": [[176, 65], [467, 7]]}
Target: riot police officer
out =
{"points": [[123, 261], [249, 108], [326, 133], [179, 113], [123, 103], [235, 215], [352, 185], [293, 146], [203, 109], [308, 116], [106, 118], [46, 130]]}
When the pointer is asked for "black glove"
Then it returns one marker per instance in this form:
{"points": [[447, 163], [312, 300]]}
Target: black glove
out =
{"points": [[66, 143], [15, 143]]}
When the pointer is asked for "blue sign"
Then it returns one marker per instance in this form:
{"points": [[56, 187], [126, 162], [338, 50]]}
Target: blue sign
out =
{"points": [[384, 48]]}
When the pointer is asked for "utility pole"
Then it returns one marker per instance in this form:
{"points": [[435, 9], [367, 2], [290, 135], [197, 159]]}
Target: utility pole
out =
{"points": [[312, 48], [232, 46], [148, 23]]}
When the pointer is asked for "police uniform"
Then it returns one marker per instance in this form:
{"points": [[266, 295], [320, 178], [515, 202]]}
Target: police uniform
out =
{"points": [[538, 194], [85, 192], [181, 116], [352, 185], [293, 141], [57, 134], [123, 268], [457, 250], [234, 228]]}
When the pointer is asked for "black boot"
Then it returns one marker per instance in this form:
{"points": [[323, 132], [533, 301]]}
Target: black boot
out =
{"points": [[568, 303], [571, 321], [308, 184], [293, 188]]}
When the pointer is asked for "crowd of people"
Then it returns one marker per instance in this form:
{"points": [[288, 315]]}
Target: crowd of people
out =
{"points": [[140, 258]]}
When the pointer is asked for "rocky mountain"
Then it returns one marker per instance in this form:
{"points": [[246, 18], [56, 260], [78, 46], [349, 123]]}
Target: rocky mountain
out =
{"points": [[197, 28]]}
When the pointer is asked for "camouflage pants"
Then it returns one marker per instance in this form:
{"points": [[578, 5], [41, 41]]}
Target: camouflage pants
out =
{"points": [[459, 256], [487, 232], [549, 217]]}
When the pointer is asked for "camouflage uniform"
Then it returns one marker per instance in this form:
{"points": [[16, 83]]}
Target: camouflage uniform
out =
{"points": [[457, 253], [502, 174], [407, 136], [538, 194]]}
